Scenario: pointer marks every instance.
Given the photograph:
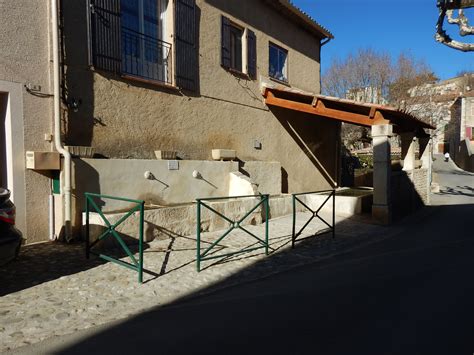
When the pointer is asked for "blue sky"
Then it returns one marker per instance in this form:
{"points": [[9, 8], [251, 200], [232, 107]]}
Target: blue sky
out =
{"points": [[387, 25]]}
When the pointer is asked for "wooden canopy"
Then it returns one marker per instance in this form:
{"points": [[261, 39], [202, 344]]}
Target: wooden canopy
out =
{"points": [[343, 110]]}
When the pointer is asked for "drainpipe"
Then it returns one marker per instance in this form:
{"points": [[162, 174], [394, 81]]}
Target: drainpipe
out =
{"points": [[57, 122]]}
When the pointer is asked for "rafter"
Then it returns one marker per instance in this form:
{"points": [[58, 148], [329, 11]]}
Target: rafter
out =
{"points": [[320, 109]]}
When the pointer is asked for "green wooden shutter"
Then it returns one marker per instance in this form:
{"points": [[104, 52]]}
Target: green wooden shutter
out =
{"points": [[225, 43], [186, 45], [252, 54]]}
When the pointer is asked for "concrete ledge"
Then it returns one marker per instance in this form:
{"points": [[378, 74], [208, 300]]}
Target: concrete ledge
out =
{"points": [[345, 204], [224, 154]]}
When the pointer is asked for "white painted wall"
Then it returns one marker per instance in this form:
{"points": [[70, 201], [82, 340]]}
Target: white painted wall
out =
{"points": [[15, 150]]}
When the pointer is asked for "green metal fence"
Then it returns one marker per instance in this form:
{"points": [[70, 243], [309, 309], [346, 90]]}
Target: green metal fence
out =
{"points": [[136, 265], [315, 214], [264, 201]]}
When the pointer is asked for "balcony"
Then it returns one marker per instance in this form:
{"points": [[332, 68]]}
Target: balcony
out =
{"points": [[146, 57]]}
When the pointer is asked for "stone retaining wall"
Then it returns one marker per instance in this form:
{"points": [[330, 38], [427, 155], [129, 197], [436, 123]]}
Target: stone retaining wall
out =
{"points": [[410, 191]]}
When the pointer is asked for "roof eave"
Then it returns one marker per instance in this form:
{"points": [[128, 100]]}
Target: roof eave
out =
{"points": [[302, 18]]}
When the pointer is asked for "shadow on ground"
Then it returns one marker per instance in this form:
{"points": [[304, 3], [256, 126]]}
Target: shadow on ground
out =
{"points": [[386, 298], [39, 263]]}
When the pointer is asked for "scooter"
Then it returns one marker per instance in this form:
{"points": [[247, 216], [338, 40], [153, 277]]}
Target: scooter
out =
{"points": [[10, 237]]}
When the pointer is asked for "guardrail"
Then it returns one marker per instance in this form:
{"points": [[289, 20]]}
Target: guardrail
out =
{"points": [[264, 200], [136, 265], [315, 214], [146, 56]]}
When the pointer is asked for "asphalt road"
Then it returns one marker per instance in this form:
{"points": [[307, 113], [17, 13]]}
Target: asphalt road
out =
{"points": [[409, 294]]}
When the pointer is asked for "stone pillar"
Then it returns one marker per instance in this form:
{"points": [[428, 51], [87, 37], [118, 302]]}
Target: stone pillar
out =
{"points": [[408, 150], [425, 152], [381, 208]]}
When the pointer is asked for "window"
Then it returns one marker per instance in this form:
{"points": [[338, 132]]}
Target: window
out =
{"points": [[239, 48], [236, 47], [278, 63], [133, 38], [144, 52]]}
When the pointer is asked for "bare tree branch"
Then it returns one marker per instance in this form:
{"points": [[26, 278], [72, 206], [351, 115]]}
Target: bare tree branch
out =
{"points": [[462, 22]]}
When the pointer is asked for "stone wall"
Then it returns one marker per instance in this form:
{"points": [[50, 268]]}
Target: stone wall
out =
{"points": [[409, 191], [465, 158], [440, 104]]}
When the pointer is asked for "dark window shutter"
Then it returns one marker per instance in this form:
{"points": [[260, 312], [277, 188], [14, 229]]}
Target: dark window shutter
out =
{"points": [[252, 54], [225, 42], [105, 35], [186, 45]]}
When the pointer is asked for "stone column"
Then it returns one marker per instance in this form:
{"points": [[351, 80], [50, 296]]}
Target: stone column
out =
{"points": [[408, 150], [426, 150], [381, 208]]}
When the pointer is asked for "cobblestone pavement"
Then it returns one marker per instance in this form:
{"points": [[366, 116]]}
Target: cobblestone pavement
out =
{"points": [[52, 290]]}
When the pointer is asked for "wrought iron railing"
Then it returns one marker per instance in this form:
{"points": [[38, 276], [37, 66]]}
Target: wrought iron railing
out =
{"points": [[315, 213], [263, 243], [136, 265], [146, 57]]}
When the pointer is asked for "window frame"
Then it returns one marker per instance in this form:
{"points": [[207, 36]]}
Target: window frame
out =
{"points": [[163, 28], [248, 55], [234, 28], [279, 48]]}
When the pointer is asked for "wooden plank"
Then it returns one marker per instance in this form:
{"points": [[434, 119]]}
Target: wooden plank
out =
{"points": [[320, 110], [373, 110]]}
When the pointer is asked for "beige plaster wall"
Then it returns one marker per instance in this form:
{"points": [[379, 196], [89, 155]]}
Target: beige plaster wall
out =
{"points": [[126, 119], [24, 48], [125, 178]]}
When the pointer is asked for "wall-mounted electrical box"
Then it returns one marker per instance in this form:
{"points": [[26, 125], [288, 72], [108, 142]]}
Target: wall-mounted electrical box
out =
{"points": [[43, 160]]}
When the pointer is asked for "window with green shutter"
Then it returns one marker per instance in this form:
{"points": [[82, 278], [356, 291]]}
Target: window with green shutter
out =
{"points": [[133, 38], [233, 39]]}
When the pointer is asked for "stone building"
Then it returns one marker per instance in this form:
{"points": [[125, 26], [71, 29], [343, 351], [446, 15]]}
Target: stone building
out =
{"points": [[448, 105], [168, 101], [136, 77]]}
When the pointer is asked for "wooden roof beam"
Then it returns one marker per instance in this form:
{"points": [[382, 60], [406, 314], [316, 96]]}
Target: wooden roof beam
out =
{"points": [[321, 110]]}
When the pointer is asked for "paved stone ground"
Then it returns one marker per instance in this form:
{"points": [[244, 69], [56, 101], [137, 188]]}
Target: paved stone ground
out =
{"points": [[52, 290]]}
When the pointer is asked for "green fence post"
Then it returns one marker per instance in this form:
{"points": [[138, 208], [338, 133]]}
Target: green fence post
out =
{"points": [[198, 236], [140, 243], [334, 214], [293, 236], [267, 207], [87, 227], [139, 206]]}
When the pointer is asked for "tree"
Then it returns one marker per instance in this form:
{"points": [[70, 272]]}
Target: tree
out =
{"points": [[446, 10], [366, 68], [374, 77], [407, 73]]}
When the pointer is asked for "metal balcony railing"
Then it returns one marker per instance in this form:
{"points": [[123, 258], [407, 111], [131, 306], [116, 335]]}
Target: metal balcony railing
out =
{"points": [[146, 57]]}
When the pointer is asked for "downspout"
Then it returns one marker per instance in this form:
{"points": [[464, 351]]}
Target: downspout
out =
{"points": [[57, 122]]}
